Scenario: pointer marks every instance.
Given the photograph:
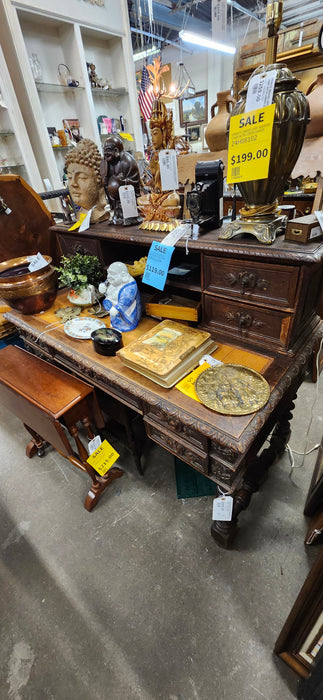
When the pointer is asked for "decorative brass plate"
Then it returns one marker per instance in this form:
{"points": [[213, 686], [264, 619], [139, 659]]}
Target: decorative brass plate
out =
{"points": [[232, 389]]}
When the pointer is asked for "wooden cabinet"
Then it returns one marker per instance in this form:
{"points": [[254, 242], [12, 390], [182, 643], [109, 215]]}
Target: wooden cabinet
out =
{"points": [[72, 34], [252, 295]]}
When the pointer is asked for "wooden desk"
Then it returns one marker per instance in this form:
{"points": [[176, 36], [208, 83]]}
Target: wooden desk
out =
{"points": [[224, 448]]}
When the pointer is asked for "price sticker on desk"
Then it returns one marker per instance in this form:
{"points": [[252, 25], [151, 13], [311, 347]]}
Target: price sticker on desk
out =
{"points": [[157, 265], [250, 145], [103, 458]]}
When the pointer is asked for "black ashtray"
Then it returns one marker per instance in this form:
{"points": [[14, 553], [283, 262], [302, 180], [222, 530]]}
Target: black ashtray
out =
{"points": [[106, 341]]}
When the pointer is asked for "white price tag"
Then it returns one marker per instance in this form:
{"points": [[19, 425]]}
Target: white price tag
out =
{"points": [[222, 508], [86, 221], [210, 360], [219, 19], [168, 170], [319, 216], [260, 90], [36, 262], [128, 201], [176, 234], [94, 444], [7, 211]]}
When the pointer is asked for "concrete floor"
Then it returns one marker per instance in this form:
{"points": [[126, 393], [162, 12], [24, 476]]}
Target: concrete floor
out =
{"points": [[135, 600]]}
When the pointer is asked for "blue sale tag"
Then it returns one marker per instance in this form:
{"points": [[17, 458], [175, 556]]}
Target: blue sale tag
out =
{"points": [[157, 265]]}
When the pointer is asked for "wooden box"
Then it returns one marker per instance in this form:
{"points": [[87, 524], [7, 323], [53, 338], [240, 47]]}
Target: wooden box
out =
{"points": [[304, 229]]}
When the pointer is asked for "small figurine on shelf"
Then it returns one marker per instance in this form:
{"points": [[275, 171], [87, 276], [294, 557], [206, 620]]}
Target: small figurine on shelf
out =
{"points": [[84, 180], [94, 79], [118, 168], [122, 298]]}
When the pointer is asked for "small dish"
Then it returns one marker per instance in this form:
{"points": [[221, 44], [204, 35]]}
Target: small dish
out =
{"points": [[81, 328], [106, 341]]}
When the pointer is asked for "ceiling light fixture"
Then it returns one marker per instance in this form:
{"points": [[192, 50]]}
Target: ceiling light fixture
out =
{"points": [[201, 40], [147, 52]]}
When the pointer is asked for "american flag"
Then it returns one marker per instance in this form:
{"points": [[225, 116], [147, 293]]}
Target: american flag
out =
{"points": [[146, 95]]}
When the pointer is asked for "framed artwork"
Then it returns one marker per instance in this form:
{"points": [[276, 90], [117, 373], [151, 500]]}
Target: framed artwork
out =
{"points": [[193, 110], [302, 635], [194, 133]]}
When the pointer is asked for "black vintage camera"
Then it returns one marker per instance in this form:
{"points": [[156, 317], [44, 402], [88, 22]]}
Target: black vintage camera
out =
{"points": [[205, 201]]}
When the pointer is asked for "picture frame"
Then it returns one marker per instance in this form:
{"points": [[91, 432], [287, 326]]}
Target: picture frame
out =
{"points": [[193, 110], [194, 133], [302, 635]]}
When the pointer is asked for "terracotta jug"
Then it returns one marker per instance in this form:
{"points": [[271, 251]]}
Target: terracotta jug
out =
{"points": [[315, 99], [215, 132]]}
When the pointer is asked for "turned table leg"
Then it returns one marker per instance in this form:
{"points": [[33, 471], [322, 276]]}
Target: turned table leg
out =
{"points": [[223, 532], [36, 445]]}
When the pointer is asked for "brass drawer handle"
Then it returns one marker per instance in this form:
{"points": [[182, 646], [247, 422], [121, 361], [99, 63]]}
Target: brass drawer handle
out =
{"points": [[247, 281]]}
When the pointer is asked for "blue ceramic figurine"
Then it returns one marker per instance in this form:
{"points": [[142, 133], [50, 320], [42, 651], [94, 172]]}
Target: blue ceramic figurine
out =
{"points": [[122, 298]]}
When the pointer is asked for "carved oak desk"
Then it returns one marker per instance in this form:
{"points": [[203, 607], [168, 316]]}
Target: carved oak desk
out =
{"points": [[224, 448]]}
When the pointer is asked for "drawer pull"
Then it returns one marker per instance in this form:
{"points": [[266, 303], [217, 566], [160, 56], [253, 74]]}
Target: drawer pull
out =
{"points": [[243, 320], [247, 281]]}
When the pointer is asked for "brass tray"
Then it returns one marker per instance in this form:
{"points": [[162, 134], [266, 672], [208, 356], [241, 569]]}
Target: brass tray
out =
{"points": [[233, 390]]}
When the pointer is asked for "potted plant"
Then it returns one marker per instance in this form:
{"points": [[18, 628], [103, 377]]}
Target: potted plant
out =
{"points": [[82, 274]]}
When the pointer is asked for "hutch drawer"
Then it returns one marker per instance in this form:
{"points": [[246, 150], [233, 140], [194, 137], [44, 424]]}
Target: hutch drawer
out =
{"points": [[243, 322], [76, 244], [247, 280]]}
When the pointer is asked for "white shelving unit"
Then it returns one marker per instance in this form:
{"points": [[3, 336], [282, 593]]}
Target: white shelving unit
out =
{"points": [[29, 27], [16, 155]]}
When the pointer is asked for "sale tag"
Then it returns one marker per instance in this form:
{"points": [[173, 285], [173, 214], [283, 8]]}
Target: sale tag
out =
{"points": [[103, 458], [187, 385], [222, 508], [168, 170], [157, 265], [78, 223], [250, 145], [128, 201], [36, 262], [125, 136], [219, 20], [260, 90]]}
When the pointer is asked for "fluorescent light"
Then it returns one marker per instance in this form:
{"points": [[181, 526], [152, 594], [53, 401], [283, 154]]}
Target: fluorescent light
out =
{"points": [[200, 40], [142, 54]]}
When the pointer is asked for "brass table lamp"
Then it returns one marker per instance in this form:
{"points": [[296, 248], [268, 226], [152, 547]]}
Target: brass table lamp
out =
{"points": [[261, 214]]}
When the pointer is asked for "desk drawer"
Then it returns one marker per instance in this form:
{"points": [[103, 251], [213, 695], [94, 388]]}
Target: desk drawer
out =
{"points": [[181, 448], [274, 285], [265, 328]]}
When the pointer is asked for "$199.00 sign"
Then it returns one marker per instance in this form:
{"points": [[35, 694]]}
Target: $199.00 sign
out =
{"points": [[250, 145]]}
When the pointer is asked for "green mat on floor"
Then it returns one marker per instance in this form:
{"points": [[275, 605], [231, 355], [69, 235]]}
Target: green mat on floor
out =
{"points": [[190, 483]]}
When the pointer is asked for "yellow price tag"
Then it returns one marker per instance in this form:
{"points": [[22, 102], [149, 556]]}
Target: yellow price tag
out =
{"points": [[250, 145], [77, 224], [126, 136], [186, 385], [103, 458]]}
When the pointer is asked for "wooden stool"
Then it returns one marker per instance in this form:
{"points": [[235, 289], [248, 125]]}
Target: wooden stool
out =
{"points": [[46, 399]]}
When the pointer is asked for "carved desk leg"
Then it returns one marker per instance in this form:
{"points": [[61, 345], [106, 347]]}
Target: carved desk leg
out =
{"points": [[223, 532]]}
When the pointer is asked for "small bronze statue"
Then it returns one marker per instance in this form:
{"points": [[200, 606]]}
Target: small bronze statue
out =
{"points": [[84, 179], [118, 168]]}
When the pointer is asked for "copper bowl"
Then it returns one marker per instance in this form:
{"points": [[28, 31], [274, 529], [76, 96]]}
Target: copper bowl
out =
{"points": [[25, 291]]}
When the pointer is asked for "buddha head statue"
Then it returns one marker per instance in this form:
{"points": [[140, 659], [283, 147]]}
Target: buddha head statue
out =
{"points": [[83, 174], [161, 125]]}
